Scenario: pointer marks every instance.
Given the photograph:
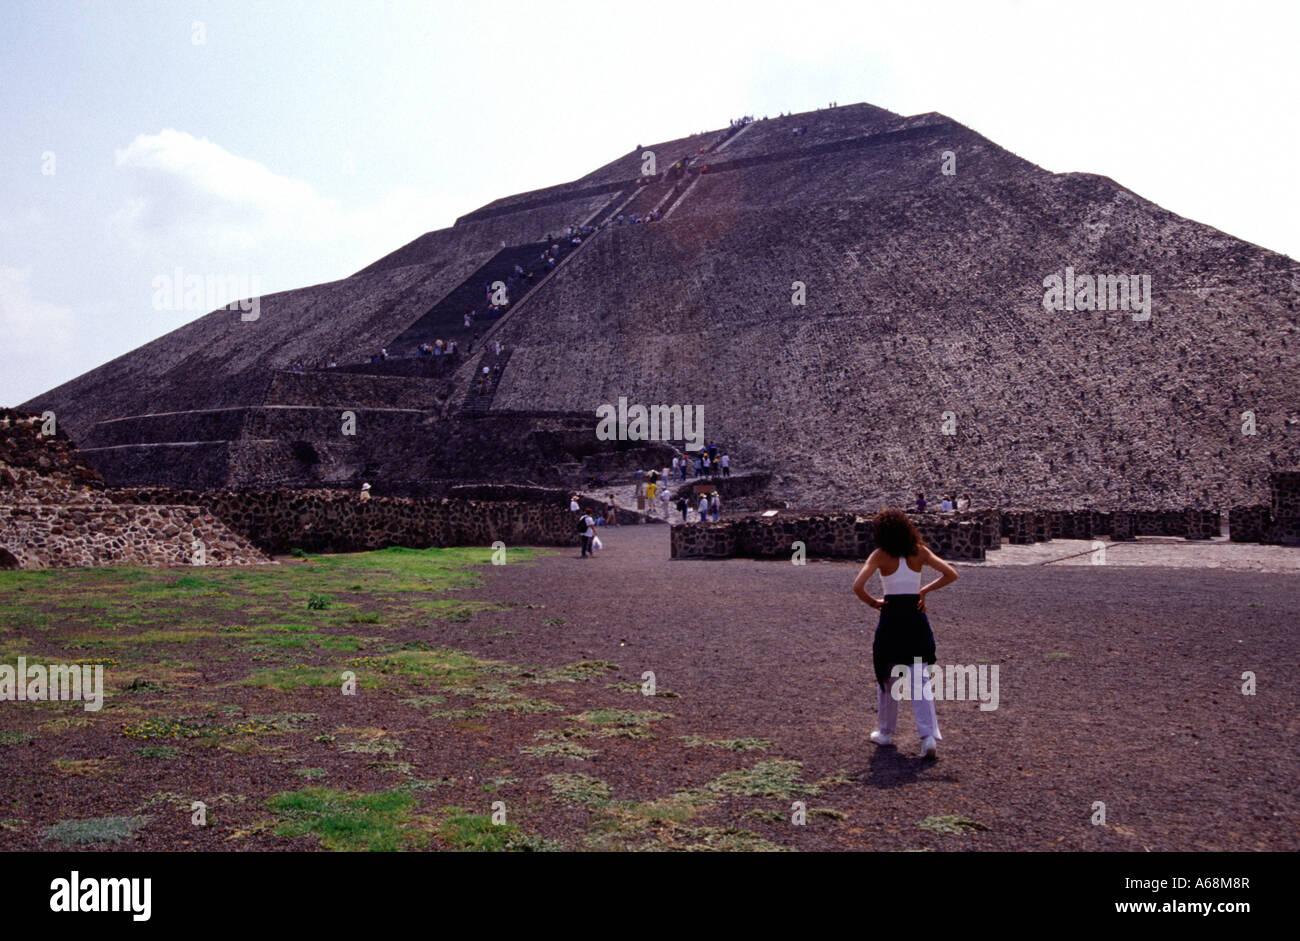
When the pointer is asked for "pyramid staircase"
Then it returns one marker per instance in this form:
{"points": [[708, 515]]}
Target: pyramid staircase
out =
{"points": [[476, 401]]}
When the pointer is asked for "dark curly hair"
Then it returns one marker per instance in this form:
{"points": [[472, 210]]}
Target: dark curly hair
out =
{"points": [[895, 533]]}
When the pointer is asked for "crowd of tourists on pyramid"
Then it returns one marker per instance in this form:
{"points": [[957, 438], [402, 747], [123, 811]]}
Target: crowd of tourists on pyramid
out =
{"points": [[572, 236], [706, 462]]}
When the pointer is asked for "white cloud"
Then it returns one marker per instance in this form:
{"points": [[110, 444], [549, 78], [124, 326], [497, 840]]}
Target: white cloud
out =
{"points": [[196, 200], [34, 335]]}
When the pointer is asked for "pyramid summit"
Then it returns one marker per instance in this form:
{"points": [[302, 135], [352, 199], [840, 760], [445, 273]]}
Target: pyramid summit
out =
{"points": [[861, 304]]}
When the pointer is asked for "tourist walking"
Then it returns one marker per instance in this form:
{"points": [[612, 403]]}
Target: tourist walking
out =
{"points": [[715, 507], [704, 508], [588, 535], [903, 635]]}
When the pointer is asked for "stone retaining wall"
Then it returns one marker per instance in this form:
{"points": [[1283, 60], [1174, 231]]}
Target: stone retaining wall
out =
{"points": [[1285, 508], [1249, 523], [339, 521], [828, 535], [53, 535], [958, 536]]}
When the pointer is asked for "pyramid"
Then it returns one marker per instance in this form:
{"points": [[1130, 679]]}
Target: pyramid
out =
{"points": [[858, 302]]}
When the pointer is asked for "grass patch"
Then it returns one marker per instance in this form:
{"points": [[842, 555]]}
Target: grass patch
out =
{"points": [[560, 750], [346, 821], [142, 685], [301, 676], [726, 840], [580, 789], [829, 812], [202, 727], [380, 746], [564, 734], [619, 717], [772, 778], [575, 672], [731, 744], [476, 832], [677, 807], [952, 824], [417, 785], [95, 830]]}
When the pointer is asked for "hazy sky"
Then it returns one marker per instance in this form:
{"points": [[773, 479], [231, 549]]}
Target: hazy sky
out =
{"points": [[297, 142]]}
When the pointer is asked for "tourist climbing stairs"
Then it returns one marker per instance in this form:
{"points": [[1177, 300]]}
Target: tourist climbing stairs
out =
{"points": [[479, 395]]}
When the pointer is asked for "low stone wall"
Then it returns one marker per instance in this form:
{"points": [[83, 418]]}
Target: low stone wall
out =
{"points": [[1285, 487], [339, 521], [1249, 523], [1023, 527], [552, 495], [1201, 524], [960, 536], [60, 535], [1285, 509], [1158, 523], [824, 535]]}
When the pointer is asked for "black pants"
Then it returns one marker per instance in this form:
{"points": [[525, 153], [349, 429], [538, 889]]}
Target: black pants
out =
{"points": [[902, 635], [586, 546]]}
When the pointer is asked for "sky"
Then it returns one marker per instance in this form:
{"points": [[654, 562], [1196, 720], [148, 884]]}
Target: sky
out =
{"points": [[283, 144]]}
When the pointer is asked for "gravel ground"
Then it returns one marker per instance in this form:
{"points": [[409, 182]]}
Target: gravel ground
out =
{"points": [[1117, 683]]}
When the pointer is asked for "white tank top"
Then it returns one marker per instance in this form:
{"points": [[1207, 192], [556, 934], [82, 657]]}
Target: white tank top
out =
{"points": [[904, 581]]}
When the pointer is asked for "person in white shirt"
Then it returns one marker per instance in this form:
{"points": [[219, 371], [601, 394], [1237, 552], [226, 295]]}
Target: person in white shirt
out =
{"points": [[675, 465], [946, 505], [588, 536], [963, 503], [725, 461], [573, 503], [704, 507]]}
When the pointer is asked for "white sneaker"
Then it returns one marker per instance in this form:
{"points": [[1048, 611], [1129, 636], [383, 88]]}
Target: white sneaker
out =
{"points": [[880, 738], [929, 748]]}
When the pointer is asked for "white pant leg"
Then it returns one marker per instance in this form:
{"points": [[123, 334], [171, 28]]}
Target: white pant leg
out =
{"points": [[887, 711], [927, 721]]}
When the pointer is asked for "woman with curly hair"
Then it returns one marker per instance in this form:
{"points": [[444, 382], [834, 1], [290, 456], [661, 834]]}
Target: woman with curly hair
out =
{"points": [[903, 634]]}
